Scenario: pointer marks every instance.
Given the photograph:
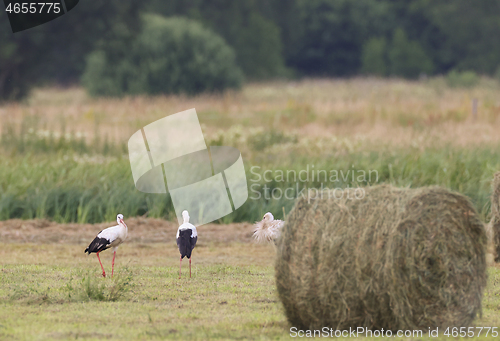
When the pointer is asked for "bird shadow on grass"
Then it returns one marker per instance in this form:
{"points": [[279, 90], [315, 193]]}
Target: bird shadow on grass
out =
{"points": [[81, 287]]}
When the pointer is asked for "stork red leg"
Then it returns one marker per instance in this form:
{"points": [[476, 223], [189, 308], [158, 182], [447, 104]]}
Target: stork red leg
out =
{"points": [[180, 265], [189, 267], [113, 264], [102, 267]]}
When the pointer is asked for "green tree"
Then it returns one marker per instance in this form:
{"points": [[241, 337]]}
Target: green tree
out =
{"points": [[407, 58], [259, 48], [470, 29], [255, 38], [374, 57], [269, 38], [173, 55], [55, 52], [332, 34], [12, 62]]}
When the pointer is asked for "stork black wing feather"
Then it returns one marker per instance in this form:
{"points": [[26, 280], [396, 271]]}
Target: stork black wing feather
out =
{"points": [[97, 245], [185, 243]]}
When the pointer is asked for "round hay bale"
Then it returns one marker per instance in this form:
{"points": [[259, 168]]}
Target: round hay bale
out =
{"points": [[397, 259]]}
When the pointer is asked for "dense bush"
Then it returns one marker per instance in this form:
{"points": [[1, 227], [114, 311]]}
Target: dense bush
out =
{"points": [[329, 35], [407, 58], [465, 79], [400, 57], [374, 57], [259, 48], [497, 74], [170, 55]]}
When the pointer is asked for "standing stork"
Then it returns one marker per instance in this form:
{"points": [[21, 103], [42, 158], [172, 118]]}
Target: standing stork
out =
{"points": [[267, 229], [187, 236], [110, 237]]}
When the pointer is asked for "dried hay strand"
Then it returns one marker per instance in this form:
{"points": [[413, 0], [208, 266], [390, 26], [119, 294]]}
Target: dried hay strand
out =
{"points": [[396, 259], [493, 228]]}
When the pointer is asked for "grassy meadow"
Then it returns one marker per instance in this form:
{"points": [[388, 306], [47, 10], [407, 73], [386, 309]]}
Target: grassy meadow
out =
{"points": [[50, 293], [64, 155], [61, 294], [64, 161]]}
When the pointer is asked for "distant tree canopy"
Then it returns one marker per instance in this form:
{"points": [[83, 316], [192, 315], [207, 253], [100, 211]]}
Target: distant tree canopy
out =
{"points": [[169, 55], [270, 38], [401, 57]]}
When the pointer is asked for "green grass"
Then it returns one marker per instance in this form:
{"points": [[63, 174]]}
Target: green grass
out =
{"points": [[57, 163], [63, 176], [222, 300], [68, 187], [44, 295]]}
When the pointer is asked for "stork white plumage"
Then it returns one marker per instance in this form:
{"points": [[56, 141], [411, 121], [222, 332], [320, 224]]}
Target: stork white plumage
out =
{"points": [[267, 229], [186, 238], [110, 237]]}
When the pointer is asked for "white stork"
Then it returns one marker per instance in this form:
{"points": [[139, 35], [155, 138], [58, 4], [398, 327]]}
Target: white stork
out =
{"points": [[187, 236], [267, 229], [110, 237]]}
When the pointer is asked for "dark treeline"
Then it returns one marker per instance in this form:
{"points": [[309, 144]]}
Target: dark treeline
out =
{"points": [[270, 38]]}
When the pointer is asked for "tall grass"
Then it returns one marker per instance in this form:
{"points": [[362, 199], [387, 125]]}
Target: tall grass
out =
{"points": [[81, 287], [318, 105], [30, 138], [79, 176], [66, 186], [66, 190], [89, 288]]}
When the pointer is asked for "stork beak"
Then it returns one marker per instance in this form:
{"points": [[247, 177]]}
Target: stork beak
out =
{"points": [[121, 221]]}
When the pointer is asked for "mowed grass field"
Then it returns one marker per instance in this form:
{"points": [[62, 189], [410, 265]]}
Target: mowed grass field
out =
{"points": [[64, 175], [51, 292], [55, 292]]}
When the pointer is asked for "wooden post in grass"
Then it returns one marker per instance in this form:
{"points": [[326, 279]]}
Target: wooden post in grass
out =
{"points": [[474, 108]]}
